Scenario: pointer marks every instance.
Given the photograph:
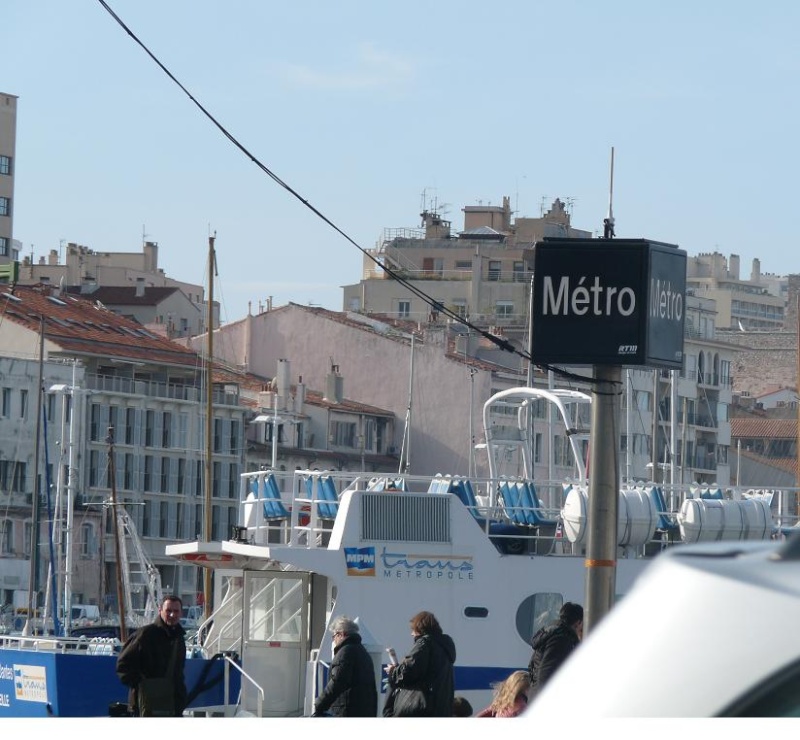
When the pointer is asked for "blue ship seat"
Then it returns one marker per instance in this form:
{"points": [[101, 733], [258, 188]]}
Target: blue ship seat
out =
{"points": [[505, 537], [666, 522], [266, 490], [715, 494], [322, 490]]}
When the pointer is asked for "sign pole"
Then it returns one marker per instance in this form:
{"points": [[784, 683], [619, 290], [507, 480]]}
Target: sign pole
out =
{"points": [[603, 500]]}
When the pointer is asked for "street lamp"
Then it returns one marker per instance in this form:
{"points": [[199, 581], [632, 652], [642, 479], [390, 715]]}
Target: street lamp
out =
{"points": [[72, 391]]}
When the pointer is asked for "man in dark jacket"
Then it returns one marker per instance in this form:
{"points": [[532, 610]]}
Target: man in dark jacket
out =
{"points": [[155, 651], [428, 668], [350, 691], [552, 645]]}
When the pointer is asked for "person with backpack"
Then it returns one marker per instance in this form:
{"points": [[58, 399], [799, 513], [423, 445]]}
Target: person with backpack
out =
{"points": [[553, 645]]}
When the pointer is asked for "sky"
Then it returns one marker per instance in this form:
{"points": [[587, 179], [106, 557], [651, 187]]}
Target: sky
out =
{"points": [[371, 111]]}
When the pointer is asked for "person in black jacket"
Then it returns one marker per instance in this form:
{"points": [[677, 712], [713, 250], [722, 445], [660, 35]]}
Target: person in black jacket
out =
{"points": [[426, 670], [351, 690], [151, 651], [552, 645]]}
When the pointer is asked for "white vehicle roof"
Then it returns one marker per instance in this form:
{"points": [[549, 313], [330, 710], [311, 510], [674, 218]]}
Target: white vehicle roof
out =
{"points": [[708, 630]]}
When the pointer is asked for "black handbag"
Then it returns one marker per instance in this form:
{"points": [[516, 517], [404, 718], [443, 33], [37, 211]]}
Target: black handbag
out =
{"points": [[411, 703]]}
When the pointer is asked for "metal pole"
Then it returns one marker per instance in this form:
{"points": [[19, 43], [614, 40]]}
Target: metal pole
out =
{"points": [[601, 549], [123, 630], [71, 472], [209, 422], [33, 577]]}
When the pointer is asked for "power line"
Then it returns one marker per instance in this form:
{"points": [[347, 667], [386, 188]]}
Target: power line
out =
{"points": [[435, 305]]}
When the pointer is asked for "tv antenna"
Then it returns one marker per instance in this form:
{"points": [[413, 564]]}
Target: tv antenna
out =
{"points": [[608, 221]]}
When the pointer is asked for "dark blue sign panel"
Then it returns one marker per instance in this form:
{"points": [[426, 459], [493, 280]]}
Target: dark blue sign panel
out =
{"points": [[608, 302]]}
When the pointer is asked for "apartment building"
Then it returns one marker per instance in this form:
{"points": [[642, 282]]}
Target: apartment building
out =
{"points": [[482, 273], [109, 372], [9, 252], [756, 304]]}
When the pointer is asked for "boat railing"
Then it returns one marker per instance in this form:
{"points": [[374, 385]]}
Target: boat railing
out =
{"points": [[230, 663], [516, 514], [51, 644]]}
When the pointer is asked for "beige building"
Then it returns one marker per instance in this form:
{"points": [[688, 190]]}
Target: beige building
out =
{"points": [[756, 304], [129, 283], [482, 272], [8, 142]]}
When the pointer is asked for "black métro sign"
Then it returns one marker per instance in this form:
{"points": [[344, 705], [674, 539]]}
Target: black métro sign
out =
{"points": [[608, 302]]}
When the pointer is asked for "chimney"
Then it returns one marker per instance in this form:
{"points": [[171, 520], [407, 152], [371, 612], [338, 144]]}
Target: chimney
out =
{"points": [[283, 383], [755, 275], [139, 287], [300, 396], [53, 257], [334, 386]]}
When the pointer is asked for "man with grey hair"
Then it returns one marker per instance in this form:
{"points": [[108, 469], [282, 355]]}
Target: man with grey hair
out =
{"points": [[351, 690]]}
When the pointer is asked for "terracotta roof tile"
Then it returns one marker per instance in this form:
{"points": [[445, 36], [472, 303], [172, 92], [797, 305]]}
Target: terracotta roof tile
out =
{"points": [[763, 428], [84, 327]]}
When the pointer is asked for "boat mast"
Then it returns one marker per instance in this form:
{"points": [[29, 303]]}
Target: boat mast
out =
{"points": [[34, 561], [405, 450], [123, 631], [209, 419]]}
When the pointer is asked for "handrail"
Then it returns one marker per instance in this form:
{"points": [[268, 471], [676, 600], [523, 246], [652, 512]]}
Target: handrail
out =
{"points": [[230, 662]]}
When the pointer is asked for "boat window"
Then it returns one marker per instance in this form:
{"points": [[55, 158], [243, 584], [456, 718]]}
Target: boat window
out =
{"points": [[476, 612], [537, 611]]}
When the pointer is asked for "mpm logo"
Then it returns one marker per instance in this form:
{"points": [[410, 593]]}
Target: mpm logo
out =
{"points": [[360, 561]]}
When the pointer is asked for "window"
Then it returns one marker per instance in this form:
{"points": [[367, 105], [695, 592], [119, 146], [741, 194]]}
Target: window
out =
{"points": [[6, 537], [217, 435], [130, 425], [403, 309], [494, 270], [503, 309], [181, 474], [343, 434], [463, 264], [233, 480], [147, 515], [5, 206], [95, 423], [3, 246], [537, 611], [23, 403], [94, 467], [5, 165], [234, 438], [519, 272], [163, 530], [6, 402], [149, 426], [128, 483], [166, 430], [88, 544], [20, 474], [165, 465]]}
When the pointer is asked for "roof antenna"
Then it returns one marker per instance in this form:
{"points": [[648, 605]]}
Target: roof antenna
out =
{"points": [[608, 222]]}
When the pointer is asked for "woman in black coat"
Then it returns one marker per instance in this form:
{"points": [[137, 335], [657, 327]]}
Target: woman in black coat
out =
{"points": [[350, 691], [427, 671]]}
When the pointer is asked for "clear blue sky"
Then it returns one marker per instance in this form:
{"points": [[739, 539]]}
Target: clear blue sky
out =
{"points": [[363, 106]]}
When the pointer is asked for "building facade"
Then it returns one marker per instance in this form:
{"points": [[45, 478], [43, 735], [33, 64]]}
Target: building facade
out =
{"points": [[8, 142], [150, 392]]}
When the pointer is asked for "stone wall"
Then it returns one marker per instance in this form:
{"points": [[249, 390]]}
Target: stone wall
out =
{"points": [[766, 359]]}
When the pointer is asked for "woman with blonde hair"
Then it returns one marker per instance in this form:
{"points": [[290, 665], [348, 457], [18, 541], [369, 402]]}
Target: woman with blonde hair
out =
{"points": [[510, 697]]}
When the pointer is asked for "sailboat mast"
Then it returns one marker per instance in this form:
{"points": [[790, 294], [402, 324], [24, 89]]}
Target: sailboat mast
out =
{"points": [[123, 630], [34, 562], [209, 419]]}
